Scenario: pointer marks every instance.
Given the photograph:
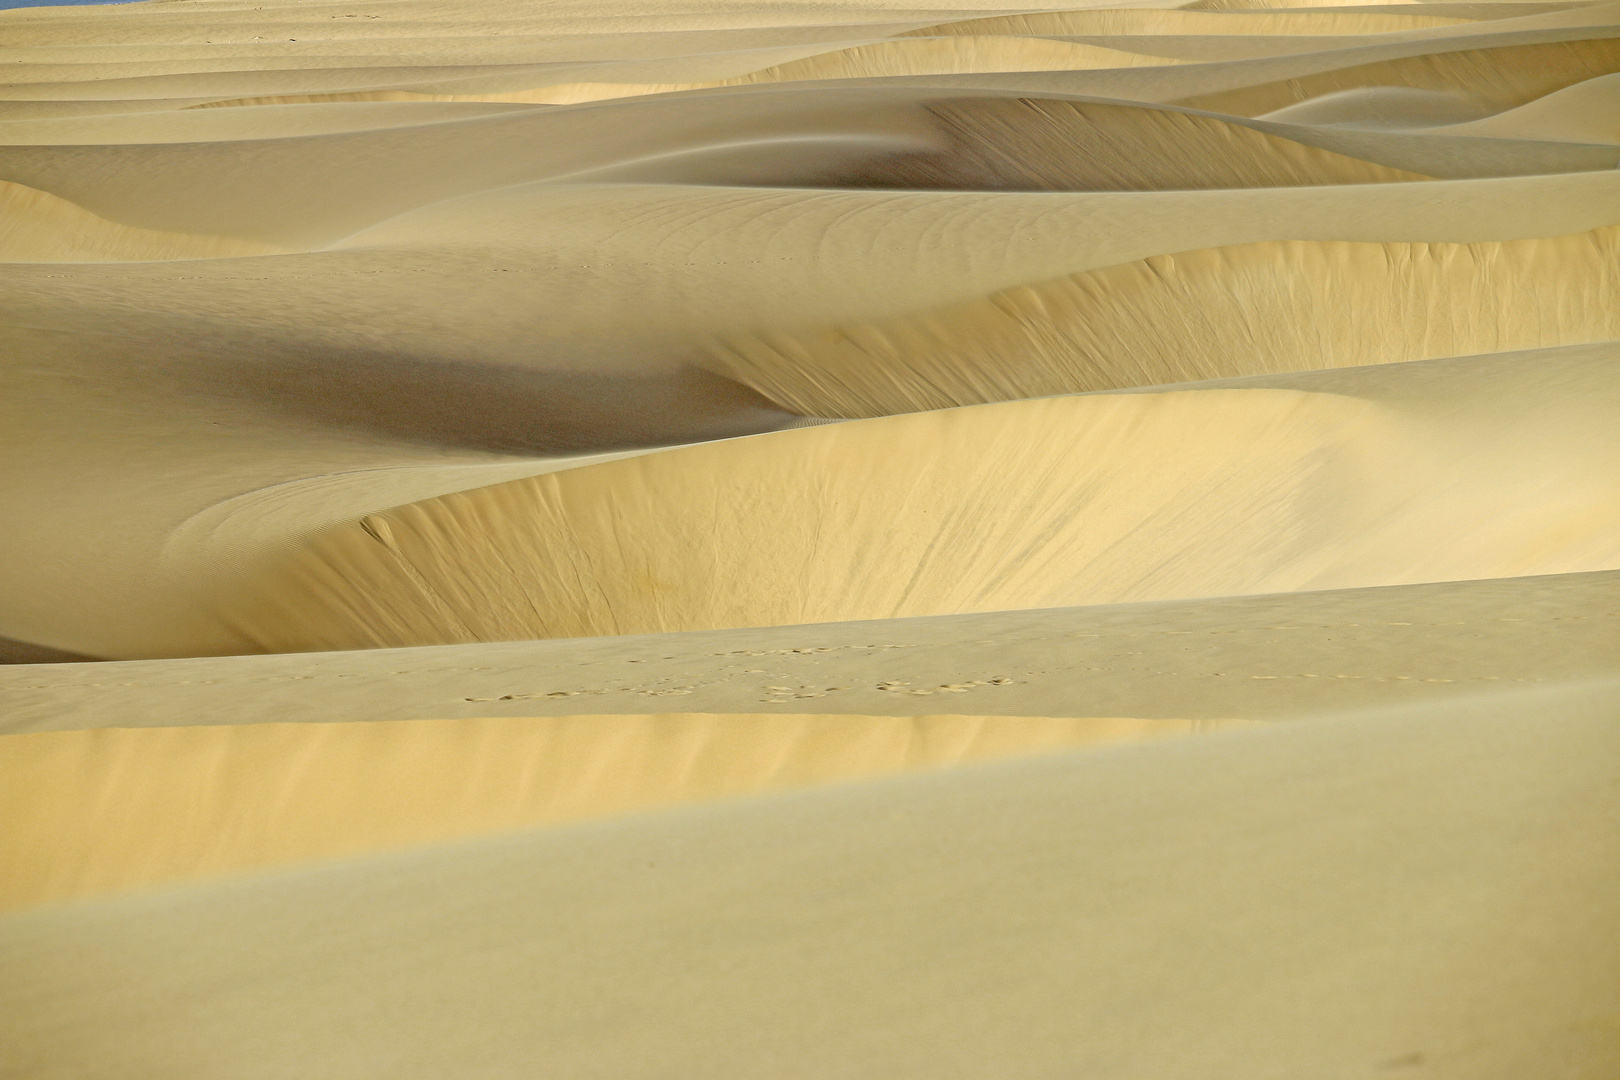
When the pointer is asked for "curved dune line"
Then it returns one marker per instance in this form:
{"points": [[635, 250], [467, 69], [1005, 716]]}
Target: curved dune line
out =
{"points": [[1205, 21], [1247, 309], [189, 125], [1388, 107], [36, 226], [1026, 504], [953, 55], [950, 55], [937, 56], [1265, 6], [1047, 144], [1588, 112], [146, 806], [1500, 78], [1437, 881], [522, 97]]}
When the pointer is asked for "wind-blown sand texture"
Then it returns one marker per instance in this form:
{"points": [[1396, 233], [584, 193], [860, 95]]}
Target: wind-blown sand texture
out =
{"points": [[569, 538]]}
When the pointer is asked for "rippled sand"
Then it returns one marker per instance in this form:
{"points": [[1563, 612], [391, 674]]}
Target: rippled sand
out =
{"points": [[551, 537]]}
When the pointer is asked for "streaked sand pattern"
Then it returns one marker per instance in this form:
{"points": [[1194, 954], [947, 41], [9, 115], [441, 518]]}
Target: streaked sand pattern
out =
{"points": [[211, 799], [597, 539]]}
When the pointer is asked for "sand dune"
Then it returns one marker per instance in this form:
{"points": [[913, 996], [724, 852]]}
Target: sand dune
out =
{"points": [[1198, 20], [1348, 867], [1212, 313], [1537, 69], [253, 410], [949, 55], [152, 806], [38, 227], [310, 192], [1268, 657], [1013, 143], [1588, 112], [1244, 491], [507, 487]]}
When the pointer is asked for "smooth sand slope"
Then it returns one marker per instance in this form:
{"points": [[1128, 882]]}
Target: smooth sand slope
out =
{"points": [[468, 304], [1266, 657], [145, 806], [494, 495], [1241, 905], [1099, 499]]}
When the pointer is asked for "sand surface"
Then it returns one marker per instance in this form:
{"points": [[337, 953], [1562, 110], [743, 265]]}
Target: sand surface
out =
{"points": [[1426, 890], [522, 522], [141, 806]]}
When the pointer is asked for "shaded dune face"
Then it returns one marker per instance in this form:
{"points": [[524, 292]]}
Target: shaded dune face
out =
{"points": [[1243, 310], [1198, 19], [1029, 504], [160, 805], [990, 107], [1498, 78], [256, 196], [36, 226], [1053, 145], [607, 538], [399, 260], [490, 408]]}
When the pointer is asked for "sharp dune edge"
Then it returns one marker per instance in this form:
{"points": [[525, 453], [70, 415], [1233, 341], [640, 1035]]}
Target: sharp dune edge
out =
{"points": [[1209, 314], [1116, 497], [672, 540]]}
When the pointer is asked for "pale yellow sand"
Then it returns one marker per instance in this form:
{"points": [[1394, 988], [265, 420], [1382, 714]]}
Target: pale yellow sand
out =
{"points": [[1046, 503], [112, 809], [39, 227], [1587, 112], [1425, 891], [1465, 436], [1266, 657], [883, 386]]}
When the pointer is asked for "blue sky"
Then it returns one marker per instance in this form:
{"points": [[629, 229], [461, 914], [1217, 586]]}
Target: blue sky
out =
{"points": [[55, 3]]}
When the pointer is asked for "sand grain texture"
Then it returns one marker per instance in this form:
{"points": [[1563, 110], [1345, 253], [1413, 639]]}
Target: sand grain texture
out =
{"points": [[146, 806]]}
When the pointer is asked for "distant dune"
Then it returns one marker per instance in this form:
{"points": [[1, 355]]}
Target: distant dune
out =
{"points": [[526, 522]]}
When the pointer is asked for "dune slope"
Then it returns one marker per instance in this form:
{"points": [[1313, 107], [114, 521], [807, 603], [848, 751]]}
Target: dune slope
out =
{"points": [[1142, 496], [521, 521], [150, 806], [1348, 866]]}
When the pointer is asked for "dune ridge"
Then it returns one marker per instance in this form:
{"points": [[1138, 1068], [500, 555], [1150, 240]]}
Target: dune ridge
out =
{"points": [[1365, 858], [635, 546], [154, 806], [664, 539], [1215, 313], [1268, 657], [36, 226]]}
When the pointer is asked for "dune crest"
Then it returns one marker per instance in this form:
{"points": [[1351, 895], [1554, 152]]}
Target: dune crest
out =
{"points": [[1588, 112], [38, 227], [1499, 77], [1195, 19], [806, 526], [633, 539], [947, 55], [1033, 144], [1242, 310], [155, 806]]}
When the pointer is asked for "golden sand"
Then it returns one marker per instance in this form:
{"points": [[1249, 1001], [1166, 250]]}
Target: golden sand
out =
{"points": [[105, 810], [1228, 890]]}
